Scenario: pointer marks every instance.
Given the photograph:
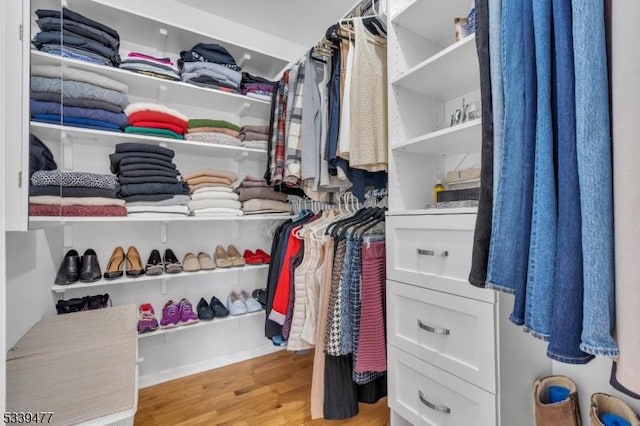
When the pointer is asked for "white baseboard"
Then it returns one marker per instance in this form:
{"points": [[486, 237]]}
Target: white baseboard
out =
{"points": [[221, 361]]}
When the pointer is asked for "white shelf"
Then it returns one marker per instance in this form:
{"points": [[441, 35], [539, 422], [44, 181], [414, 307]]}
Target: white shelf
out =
{"points": [[432, 19], [436, 211], [39, 222], [447, 75], [142, 25], [199, 324], [128, 280], [81, 136], [455, 140], [176, 92]]}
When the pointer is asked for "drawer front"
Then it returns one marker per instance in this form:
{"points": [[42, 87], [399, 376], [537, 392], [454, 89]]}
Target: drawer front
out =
{"points": [[451, 332], [433, 251], [425, 395]]}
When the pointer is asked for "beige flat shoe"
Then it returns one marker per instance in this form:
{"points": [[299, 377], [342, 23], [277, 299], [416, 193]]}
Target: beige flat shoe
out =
{"points": [[236, 258], [222, 258], [206, 263], [190, 263]]}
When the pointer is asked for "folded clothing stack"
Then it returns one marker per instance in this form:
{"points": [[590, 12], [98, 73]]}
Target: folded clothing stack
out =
{"points": [[210, 65], [149, 65], [257, 87], [71, 35], [151, 119], [212, 193], [213, 131], [258, 197], [77, 98], [55, 193], [254, 136], [149, 180]]}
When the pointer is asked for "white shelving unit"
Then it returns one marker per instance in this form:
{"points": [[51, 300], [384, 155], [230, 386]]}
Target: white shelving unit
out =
{"points": [[475, 367], [215, 322], [125, 280]]}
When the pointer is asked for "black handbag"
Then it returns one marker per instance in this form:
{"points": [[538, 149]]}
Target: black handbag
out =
{"points": [[86, 303]]}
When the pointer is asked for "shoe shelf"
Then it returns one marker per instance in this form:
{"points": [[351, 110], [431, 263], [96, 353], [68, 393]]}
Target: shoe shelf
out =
{"points": [[169, 92], [454, 140], [446, 75], [180, 328], [125, 280], [434, 211], [80, 136], [41, 222], [418, 17]]}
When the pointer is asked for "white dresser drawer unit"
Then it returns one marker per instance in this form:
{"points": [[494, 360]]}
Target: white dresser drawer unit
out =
{"points": [[433, 251], [425, 395], [451, 332]]}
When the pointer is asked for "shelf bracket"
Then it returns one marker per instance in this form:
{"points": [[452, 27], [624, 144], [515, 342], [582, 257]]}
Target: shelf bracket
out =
{"points": [[163, 34], [164, 232], [67, 152], [162, 94], [164, 286], [236, 230], [243, 109], [67, 235], [243, 59]]}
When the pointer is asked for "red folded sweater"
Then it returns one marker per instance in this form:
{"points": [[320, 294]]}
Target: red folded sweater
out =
{"points": [[160, 125], [159, 117]]}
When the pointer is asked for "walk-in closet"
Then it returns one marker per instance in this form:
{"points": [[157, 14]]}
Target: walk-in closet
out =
{"points": [[371, 212]]}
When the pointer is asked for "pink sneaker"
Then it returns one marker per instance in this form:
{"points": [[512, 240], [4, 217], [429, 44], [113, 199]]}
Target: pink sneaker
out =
{"points": [[187, 316], [147, 320], [170, 315]]}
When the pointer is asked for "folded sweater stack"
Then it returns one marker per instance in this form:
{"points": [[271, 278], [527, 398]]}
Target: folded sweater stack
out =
{"points": [[55, 193], [151, 119], [71, 35], [161, 68], [210, 65], [258, 197], [77, 98], [212, 193], [149, 180], [254, 136], [257, 87], [213, 131]]}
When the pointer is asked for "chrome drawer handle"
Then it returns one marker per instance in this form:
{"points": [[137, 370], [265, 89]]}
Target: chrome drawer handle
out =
{"points": [[443, 253], [434, 330], [442, 408]]}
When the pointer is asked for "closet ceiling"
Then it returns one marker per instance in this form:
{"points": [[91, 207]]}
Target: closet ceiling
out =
{"points": [[301, 21]]}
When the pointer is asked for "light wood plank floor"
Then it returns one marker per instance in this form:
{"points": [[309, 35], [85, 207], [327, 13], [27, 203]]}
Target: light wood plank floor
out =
{"points": [[270, 390]]}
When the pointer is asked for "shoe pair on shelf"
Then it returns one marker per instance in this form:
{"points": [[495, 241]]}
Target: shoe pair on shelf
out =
{"points": [[242, 303], [116, 265], [556, 402], [257, 258], [157, 265], [215, 309], [228, 258], [74, 268], [173, 315], [193, 263]]}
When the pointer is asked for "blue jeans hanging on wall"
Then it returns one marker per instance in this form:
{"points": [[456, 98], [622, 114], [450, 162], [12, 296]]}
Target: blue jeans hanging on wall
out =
{"points": [[507, 230], [594, 175], [528, 161], [566, 323], [542, 249]]}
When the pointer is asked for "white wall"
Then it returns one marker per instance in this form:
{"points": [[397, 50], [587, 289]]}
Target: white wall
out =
{"points": [[3, 249]]}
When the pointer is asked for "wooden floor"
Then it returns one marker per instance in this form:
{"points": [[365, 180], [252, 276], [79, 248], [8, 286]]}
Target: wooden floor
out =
{"points": [[270, 390]]}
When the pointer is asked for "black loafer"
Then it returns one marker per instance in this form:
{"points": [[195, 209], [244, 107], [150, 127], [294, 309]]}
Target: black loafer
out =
{"points": [[154, 264], [90, 268], [69, 271], [171, 263], [204, 310], [218, 308]]}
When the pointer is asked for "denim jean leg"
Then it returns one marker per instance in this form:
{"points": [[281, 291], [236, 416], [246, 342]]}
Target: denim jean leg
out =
{"points": [[594, 175], [506, 214], [542, 249], [497, 94], [528, 158], [482, 234], [566, 320]]}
